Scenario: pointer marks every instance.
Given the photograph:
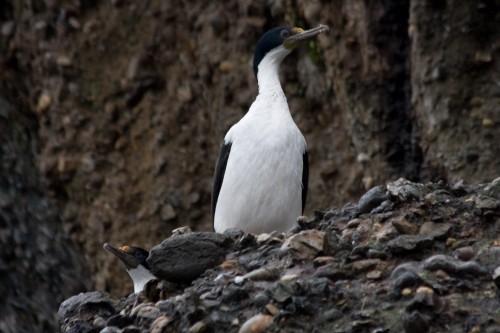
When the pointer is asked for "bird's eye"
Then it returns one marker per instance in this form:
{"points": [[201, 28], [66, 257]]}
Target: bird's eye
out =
{"points": [[285, 33]]}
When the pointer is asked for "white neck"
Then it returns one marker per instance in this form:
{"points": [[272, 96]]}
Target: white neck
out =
{"points": [[140, 275], [268, 71]]}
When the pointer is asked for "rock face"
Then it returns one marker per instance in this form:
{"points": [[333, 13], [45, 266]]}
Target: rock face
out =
{"points": [[342, 272], [40, 266]]}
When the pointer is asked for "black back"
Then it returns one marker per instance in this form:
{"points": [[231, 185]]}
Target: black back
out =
{"points": [[305, 178], [220, 169], [271, 39]]}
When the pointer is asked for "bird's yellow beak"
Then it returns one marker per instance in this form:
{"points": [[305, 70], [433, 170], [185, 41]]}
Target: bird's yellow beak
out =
{"points": [[299, 35], [123, 254]]}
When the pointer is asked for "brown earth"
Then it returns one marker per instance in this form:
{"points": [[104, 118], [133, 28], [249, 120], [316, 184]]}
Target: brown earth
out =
{"points": [[123, 106]]}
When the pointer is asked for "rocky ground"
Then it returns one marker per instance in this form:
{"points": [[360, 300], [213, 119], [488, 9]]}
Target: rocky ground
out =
{"points": [[408, 257]]}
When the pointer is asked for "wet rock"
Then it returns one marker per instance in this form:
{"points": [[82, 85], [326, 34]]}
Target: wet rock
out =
{"points": [[306, 244], [372, 199], [182, 258]]}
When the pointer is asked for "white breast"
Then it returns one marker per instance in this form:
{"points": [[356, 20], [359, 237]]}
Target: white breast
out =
{"points": [[262, 186]]}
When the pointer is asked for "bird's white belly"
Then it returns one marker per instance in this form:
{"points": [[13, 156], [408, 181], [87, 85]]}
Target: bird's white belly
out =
{"points": [[262, 186]]}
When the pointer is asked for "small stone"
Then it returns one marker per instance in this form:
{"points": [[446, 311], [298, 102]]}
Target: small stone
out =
{"points": [[167, 213], [324, 260], [257, 324], [306, 244], [8, 28], [435, 230], [372, 199], [404, 190], [226, 66], [361, 266], [239, 280], [488, 122], [354, 223], [403, 226], [482, 56], [465, 253], [424, 290], [263, 274], [44, 102], [198, 327], [159, 324], [406, 292], [64, 61], [407, 243], [110, 329], [184, 93], [374, 275], [99, 322], [229, 265], [262, 238], [149, 312], [272, 309], [288, 277], [182, 230]]}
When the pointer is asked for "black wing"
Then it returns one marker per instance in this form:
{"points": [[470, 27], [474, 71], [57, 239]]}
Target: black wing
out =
{"points": [[220, 169], [305, 179]]}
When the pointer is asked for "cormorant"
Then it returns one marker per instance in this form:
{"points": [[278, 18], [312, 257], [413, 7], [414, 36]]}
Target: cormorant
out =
{"points": [[261, 175]]}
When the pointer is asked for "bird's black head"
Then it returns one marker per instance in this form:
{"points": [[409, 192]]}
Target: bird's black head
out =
{"points": [[271, 39], [289, 37], [131, 256]]}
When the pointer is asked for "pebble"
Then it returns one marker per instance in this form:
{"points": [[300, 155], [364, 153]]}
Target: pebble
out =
{"points": [[272, 309], [407, 243], [257, 324], [324, 260], [159, 324], [406, 292], [372, 199], [44, 102], [99, 322], [403, 226], [306, 244], [404, 190], [198, 327], [263, 274], [464, 253], [8, 28], [435, 230]]}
